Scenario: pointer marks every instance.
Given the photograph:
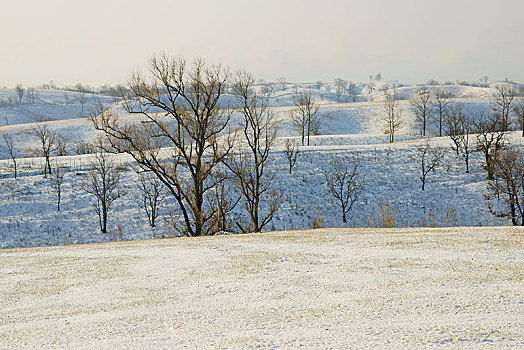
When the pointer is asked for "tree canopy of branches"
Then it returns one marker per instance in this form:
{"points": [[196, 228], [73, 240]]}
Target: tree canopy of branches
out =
{"points": [[291, 153], [459, 127], [47, 140], [344, 184], [151, 195], [340, 87], [392, 116], [191, 123], [430, 157], [490, 137], [249, 164], [102, 181], [305, 115], [420, 104], [442, 102], [19, 92], [8, 139], [502, 103], [508, 168], [32, 93], [519, 112]]}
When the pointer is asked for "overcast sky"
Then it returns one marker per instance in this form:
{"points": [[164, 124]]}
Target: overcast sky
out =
{"points": [[102, 41]]}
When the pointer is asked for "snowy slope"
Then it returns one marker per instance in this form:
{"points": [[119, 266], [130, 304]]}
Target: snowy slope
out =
{"points": [[337, 289], [391, 172], [49, 105]]}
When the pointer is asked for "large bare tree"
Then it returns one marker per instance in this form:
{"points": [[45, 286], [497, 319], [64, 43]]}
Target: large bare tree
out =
{"points": [[191, 121], [391, 116], [305, 115], [249, 164], [420, 103]]}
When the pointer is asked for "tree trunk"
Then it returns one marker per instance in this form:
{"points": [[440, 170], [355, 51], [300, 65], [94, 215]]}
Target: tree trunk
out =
{"points": [[489, 166], [104, 219]]}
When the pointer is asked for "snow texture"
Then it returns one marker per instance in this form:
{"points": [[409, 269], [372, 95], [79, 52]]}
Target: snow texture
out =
{"points": [[326, 288]]}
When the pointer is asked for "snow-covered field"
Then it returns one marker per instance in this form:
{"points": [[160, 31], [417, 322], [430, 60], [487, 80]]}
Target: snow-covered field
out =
{"points": [[28, 215], [326, 288]]}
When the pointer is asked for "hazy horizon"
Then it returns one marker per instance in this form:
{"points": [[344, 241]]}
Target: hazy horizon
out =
{"points": [[101, 42]]}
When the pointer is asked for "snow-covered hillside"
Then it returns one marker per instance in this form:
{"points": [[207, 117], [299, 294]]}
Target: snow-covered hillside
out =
{"points": [[48, 105], [28, 215], [327, 288]]}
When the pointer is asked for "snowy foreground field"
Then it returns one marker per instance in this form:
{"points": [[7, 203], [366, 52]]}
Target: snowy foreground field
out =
{"points": [[327, 288]]}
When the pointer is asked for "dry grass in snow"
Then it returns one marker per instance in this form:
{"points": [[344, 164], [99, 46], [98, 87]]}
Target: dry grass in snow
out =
{"points": [[328, 288]]}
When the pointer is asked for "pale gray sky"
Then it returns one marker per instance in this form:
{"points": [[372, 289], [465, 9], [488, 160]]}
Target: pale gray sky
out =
{"points": [[102, 41]]}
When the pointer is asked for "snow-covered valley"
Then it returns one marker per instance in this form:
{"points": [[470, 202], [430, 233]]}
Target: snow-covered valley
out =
{"points": [[390, 172]]}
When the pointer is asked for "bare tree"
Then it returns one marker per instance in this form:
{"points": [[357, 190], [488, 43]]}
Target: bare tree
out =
{"points": [[429, 157], [8, 139], [518, 109], [508, 168], [490, 137], [32, 93], [344, 184], [191, 123], [102, 181], [340, 87], [58, 179], [371, 87], [459, 128], [464, 138], [305, 115], [61, 143], [282, 81], [352, 91], [47, 140], [502, 103], [267, 88], [392, 117], [249, 166], [223, 200], [82, 99], [151, 195], [19, 92], [420, 104], [454, 122], [291, 153], [441, 103]]}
